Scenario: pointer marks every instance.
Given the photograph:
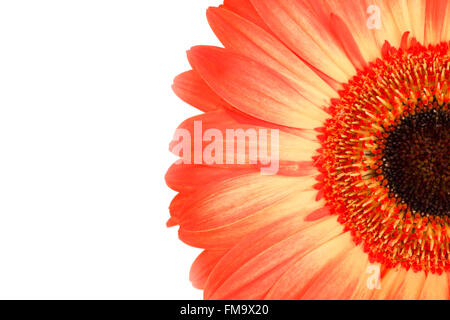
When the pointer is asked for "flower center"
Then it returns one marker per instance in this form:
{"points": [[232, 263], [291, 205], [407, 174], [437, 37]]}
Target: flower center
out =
{"points": [[384, 159], [416, 162]]}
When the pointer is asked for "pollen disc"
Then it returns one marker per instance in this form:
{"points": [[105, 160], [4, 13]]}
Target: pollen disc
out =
{"points": [[384, 159]]}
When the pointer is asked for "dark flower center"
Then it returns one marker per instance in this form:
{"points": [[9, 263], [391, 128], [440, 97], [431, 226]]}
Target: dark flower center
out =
{"points": [[416, 162]]}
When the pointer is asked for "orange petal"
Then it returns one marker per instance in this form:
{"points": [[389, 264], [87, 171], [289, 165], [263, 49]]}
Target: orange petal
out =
{"points": [[301, 29], [203, 265], [248, 39], [227, 235], [340, 281], [435, 287], [411, 287], [188, 178], [417, 11], [389, 30], [190, 88], [226, 202], [348, 42], [298, 279], [250, 269], [436, 19], [390, 284], [245, 9], [445, 36], [292, 148], [355, 17], [255, 89], [401, 14]]}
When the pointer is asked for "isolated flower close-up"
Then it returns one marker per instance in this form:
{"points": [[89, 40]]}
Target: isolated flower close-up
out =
{"points": [[319, 165]]}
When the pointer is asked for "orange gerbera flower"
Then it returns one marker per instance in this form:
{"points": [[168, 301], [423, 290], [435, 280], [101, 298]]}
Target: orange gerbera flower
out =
{"points": [[351, 99]]}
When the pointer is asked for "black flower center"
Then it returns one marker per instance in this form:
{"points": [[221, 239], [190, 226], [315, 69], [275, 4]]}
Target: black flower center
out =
{"points": [[416, 162]]}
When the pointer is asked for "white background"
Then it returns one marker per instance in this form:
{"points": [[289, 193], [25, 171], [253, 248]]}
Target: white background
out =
{"points": [[86, 115]]}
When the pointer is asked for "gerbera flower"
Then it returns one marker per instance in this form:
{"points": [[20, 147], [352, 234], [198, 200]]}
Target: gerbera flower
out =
{"points": [[359, 93]]}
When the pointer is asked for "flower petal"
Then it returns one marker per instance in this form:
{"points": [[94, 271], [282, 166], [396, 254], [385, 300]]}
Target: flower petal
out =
{"points": [[245, 9], [228, 235], [248, 39], [300, 28], [390, 284], [411, 287], [202, 267], [255, 89], [298, 279], [389, 30], [435, 287], [436, 18], [417, 11], [228, 201], [347, 41], [251, 268], [188, 178], [340, 281], [293, 150], [401, 14], [190, 88], [355, 17]]}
